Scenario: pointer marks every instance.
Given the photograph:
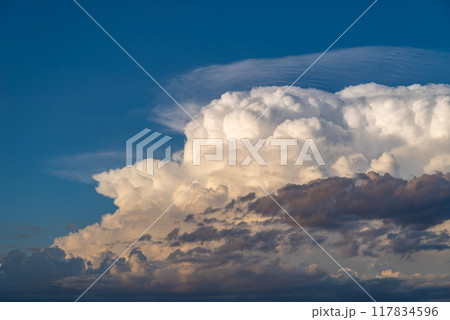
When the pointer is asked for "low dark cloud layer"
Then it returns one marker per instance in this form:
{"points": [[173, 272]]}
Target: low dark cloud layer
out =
{"points": [[250, 251], [218, 277], [33, 276]]}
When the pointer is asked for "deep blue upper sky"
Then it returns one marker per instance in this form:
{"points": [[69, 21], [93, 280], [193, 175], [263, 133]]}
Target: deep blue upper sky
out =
{"points": [[67, 89]]}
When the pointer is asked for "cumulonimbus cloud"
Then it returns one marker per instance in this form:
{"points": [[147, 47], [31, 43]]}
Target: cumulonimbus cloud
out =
{"points": [[225, 224], [403, 131]]}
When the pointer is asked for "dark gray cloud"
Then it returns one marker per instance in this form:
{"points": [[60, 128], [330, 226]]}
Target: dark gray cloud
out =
{"points": [[173, 234], [37, 272], [409, 241], [233, 202], [336, 203], [189, 218], [145, 237]]}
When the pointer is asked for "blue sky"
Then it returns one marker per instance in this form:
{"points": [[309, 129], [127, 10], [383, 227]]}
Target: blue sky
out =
{"points": [[66, 89]]}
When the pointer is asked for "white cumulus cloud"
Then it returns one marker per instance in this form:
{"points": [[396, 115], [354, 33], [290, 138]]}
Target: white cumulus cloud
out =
{"points": [[404, 131]]}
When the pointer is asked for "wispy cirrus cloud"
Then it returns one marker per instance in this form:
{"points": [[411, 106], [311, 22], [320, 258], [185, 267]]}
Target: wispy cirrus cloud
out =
{"points": [[81, 167], [336, 70]]}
